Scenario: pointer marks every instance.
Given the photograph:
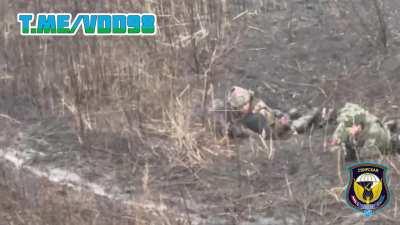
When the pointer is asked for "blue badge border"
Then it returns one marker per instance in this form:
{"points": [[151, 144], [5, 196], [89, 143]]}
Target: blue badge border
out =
{"points": [[386, 177]]}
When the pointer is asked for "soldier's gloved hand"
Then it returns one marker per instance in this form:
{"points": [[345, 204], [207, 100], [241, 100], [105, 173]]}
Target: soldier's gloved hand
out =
{"points": [[355, 130], [284, 120]]}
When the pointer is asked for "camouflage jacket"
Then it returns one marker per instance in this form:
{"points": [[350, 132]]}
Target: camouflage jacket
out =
{"points": [[254, 113], [374, 135]]}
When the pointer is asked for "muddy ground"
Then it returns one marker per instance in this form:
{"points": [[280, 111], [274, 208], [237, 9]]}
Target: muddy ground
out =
{"points": [[324, 60]]}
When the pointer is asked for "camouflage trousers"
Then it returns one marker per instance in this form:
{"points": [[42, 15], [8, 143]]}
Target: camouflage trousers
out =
{"points": [[353, 149], [395, 139]]}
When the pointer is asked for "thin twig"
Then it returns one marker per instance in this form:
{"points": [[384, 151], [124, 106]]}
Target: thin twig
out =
{"points": [[257, 29], [307, 85], [205, 85], [339, 165], [189, 220], [394, 167], [288, 186], [271, 147], [9, 118], [240, 15]]}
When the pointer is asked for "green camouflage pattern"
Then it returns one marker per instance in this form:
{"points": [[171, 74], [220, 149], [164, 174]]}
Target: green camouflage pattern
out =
{"points": [[260, 117], [374, 137], [258, 106], [238, 96]]}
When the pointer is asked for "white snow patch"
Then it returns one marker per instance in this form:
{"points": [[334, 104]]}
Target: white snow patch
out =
{"points": [[71, 179], [12, 157], [56, 175]]}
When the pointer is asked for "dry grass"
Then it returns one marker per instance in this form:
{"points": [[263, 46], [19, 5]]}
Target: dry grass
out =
{"points": [[147, 89]]}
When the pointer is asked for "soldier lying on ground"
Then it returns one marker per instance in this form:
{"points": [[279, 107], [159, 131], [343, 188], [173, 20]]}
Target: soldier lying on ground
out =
{"points": [[359, 132], [242, 109]]}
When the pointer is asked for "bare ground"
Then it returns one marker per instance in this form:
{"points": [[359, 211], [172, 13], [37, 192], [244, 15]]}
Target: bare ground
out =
{"points": [[238, 183]]}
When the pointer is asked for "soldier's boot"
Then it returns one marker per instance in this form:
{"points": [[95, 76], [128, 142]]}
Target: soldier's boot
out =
{"points": [[392, 125], [395, 140], [350, 153], [302, 123]]}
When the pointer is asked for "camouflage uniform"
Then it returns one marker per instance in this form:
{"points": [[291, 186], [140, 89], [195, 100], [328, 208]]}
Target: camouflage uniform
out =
{"points": [[223, 120], [374, 138], [255, 115], [243, 110]]}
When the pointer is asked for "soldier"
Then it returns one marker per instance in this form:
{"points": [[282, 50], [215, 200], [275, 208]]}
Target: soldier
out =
{"points": [[358, 129], [255, 115], [392, 125], [223, 121], [242, 109]]}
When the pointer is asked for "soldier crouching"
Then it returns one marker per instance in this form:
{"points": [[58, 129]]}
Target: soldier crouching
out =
{"points": [[361, 134]]}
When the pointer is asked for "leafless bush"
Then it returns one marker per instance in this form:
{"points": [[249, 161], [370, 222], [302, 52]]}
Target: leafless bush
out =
{"points": [[136, 86], [147, 89]]}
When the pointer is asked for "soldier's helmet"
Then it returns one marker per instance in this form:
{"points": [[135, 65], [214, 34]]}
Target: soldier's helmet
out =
{"points": [[352, 114], [239, 96], [358, 119]]}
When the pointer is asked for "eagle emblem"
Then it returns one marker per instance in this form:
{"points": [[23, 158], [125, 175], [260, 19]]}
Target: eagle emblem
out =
{"points": [[367, 190]]}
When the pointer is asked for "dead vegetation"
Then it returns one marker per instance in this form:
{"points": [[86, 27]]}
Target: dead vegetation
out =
{"points": [[137, 107]]}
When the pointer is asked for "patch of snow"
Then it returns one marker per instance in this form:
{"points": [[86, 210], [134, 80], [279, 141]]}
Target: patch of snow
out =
{"points": [[12, 157], [64, 177], [56, 175]]}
